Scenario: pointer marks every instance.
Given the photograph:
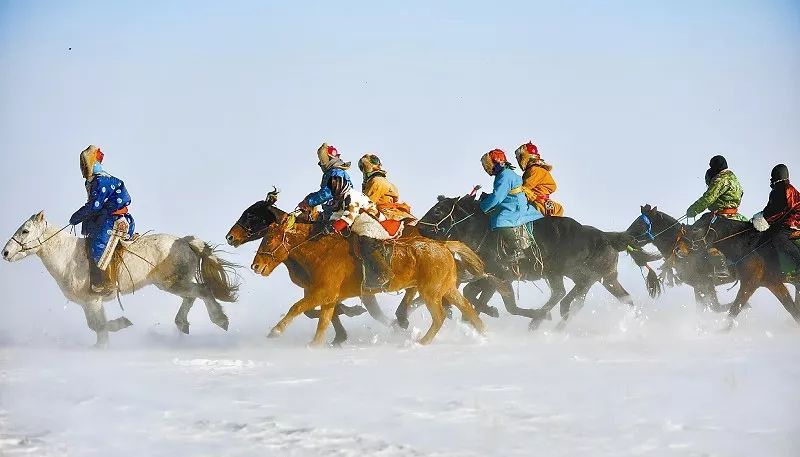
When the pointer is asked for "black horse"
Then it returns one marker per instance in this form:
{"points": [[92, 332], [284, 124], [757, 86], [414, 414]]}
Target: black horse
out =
{"points": [[566, 248], [664, 231], [751, 255]]}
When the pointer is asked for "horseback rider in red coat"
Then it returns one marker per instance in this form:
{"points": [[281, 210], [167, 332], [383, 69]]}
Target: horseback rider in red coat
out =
{"points": [[781, 217]]}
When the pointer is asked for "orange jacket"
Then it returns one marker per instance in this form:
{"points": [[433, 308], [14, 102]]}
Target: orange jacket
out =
{"points": [[386, 198], [538, 184]]}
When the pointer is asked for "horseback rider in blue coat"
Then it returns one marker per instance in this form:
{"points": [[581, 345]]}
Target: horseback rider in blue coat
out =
{"points": [[104, 218], [507, 202], [335, 186]]}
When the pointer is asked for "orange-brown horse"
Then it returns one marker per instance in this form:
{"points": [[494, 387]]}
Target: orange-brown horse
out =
{"points": [[334, 273]]}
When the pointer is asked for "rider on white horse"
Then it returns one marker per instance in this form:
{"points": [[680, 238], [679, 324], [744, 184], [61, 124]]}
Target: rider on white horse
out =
{"points": [[104, 218]]}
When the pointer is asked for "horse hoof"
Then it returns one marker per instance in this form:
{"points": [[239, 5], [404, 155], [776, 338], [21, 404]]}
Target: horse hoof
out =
{"points": [[401, 323], [353, 311], [183, 327], [492, 312], [274, 333], [221, 323]]}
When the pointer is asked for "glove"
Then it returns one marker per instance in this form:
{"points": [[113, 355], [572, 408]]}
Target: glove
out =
{"points": [[74, 220], [690, 213], [760, 223]]}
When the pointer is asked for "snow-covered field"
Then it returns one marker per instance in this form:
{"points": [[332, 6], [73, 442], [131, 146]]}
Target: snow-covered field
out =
{"points": [[608, 386]]}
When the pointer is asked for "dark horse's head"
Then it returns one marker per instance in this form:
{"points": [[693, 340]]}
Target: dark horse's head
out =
{"points": [[453, 218], [651, 224], [254, 221]]}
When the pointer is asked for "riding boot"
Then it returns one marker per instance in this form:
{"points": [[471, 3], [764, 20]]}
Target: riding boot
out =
{"points": [[97, 279], [718, 264], [511, 253], [377, 270]]}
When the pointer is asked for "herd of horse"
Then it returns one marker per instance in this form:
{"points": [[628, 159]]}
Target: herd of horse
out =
{"points": [[449, 246]]}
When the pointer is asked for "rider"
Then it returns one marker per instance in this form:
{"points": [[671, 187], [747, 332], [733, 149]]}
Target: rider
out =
{"points": [[508, 203], [104, 218], [537, 181], [722, 197], [782, 214], [343, 208], [381, 191]]}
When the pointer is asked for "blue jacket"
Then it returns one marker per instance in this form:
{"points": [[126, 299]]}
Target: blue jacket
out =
{"points": [[508, 210], [332, 191], [107, 194]]}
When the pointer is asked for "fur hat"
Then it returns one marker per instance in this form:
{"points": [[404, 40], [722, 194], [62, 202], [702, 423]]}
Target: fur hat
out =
{"points": [[528, 154], [329, 157], [370, 164], [493, 158], [90, 156]]}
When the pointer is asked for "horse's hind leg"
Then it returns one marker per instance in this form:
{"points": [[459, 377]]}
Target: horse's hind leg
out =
{"points": [[434, 305], [466, 308], [374, 309], [557, 292], [401, 313], [483, 287], [782, 294], [96, 320], [510, 301], [580, 289], [182, 317], [341, 334], [611, 283]]}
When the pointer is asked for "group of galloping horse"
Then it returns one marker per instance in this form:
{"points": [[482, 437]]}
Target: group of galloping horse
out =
{"points": [[450, 245]]}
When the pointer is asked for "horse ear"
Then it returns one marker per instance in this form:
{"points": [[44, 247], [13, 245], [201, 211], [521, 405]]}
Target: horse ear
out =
{"points": [[272, 196], [38, 217], [441, 198], [655, 209]]}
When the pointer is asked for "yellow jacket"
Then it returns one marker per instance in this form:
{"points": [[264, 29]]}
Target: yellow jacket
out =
{"points": [[387, 198], [538, 184]]}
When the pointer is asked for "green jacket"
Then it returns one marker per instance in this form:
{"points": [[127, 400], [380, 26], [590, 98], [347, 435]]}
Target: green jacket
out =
{"points": [[723, 192]]}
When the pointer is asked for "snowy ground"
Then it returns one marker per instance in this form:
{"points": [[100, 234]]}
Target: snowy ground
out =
{"points": [[608, 386]]}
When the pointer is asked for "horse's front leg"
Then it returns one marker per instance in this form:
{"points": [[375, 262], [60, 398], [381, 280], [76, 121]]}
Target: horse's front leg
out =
{"points": [[374, 310], [485, 289], [557, 292], [325, 316], [96, 320], [309, 301]]}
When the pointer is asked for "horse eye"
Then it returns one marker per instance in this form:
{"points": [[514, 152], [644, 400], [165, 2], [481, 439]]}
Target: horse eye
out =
{"points": [[25, 231]]}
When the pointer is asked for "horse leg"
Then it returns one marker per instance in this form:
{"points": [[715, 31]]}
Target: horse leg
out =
{"points": [[483, 287], [96, 320], [557, 292], [401, 313], [506, 291], [374, 310], [182, 317], [304, 304], [782, 294], [325, 317], [467, 310], [115, 325], [611, 283], [581, 288], [434, 305], [341, 334]]}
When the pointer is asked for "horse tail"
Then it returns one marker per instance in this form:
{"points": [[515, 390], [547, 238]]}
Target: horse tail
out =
{"points": [[214, 272], [469, 259], [622, 241]]}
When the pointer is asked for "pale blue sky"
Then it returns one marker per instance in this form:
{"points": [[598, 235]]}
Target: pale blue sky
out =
{"points": [[202, 106]]}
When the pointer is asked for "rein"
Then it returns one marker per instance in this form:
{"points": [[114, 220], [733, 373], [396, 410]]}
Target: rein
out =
{"points": [[649, 227], [436, 226], [250, 232], [25, 248]]}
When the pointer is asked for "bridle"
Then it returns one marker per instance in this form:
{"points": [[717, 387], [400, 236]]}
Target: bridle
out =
{"points": [[648, 233], [450, 216], [286, 225], [25, 248]]}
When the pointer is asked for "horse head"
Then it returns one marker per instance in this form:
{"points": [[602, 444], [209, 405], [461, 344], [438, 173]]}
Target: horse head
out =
{"points": [[28, 238], [254, 221], [274, 248], [448, 212]]}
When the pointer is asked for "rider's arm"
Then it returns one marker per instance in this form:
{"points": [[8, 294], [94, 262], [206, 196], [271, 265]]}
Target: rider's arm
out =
{"points": [[98, 195], [502, 186], [776, 206], [711, 195], [321, 196]]}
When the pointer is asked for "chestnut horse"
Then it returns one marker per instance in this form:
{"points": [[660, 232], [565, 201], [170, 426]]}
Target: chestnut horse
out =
{"points": [[333, 273]]}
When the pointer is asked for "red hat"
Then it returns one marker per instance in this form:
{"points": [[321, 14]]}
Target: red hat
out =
{"points": [[531, 148], [497, 156]]}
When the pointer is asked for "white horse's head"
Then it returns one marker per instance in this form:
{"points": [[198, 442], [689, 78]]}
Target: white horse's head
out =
{"points": [[27, 239]]}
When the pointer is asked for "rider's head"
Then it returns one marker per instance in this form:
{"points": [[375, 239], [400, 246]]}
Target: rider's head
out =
{"points": [[329, 157], [494, 162], [779, 173], [91, 158], [370, 165], [527, 155], [715, 166]]}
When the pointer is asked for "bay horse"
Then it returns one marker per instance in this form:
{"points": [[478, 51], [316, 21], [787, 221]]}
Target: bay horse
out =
{"points": [[253, 224], [187, 267], [755, 261], [663, 231], [334, 273], [568, 249]]}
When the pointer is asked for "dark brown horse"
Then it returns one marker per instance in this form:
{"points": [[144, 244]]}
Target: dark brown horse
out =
{"points": [[334, 273], [750, 254]]}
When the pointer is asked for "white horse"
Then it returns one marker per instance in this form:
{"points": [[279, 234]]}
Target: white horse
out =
{"points": [[186, 267]]}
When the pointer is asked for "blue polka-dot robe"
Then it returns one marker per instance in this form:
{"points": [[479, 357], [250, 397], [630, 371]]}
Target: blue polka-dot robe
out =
{"points": [[107, 195]]}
